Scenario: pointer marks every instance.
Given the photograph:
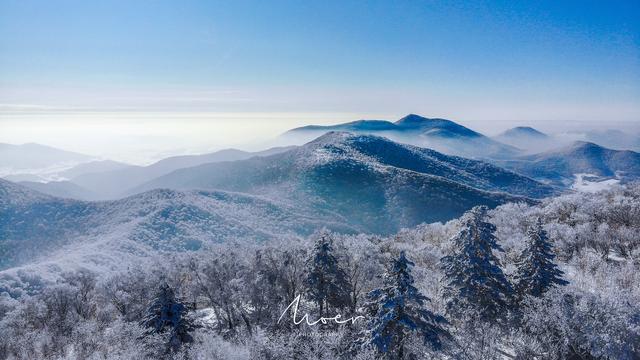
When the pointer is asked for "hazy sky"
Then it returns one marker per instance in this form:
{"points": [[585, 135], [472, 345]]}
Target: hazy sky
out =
{"points": [[114, 77]]}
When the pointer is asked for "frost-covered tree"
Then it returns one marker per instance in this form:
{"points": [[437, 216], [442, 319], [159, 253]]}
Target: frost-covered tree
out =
{"points": [[570, 323], [238, 283], [398, 312], [537, 272], [475, 286], [222, 281], [326, 280], [167, 315]]}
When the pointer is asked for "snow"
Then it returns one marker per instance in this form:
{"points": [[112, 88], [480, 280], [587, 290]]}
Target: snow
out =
{"points": [[105, 236], [206, 317], [584, 183]]}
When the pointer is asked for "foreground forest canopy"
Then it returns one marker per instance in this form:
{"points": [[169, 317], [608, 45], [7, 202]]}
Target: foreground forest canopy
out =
{"points": [[557, 280]]}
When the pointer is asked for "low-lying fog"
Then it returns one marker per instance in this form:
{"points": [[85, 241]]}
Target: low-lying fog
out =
{"points": [[143, 138]]}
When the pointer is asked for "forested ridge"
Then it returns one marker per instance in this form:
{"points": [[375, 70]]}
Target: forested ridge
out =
{"points": [[557, 280]]}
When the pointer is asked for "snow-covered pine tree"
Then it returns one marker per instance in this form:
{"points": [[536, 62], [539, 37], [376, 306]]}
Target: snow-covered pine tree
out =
{"points": [[326, 280], [475, 286], [536, 272], [166, 314], [398, 312]]}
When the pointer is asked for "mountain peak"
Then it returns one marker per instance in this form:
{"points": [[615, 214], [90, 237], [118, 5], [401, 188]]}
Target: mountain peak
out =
{"points": [[414, 120], [585, 146], [346, 168], [576, 147], [412, 117], [583, 143], [439, 134], [348, 139], [331, 137], [520, 131], [436, 127]]}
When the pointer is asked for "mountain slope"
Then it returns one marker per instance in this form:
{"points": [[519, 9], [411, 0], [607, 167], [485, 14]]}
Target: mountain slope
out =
{"points": [[354, 126], [439, 134], [33, 225], [91, 167], [378, 185], [439, 127], [36, 156], [62, 189], [113, 184], [559, 167], [528, 138], [345, 182], [523, 132], [616, 139]]}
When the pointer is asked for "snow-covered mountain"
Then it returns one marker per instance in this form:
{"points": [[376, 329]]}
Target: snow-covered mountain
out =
{"points": [[375, 183], [49, 231], [560, 167], [438, 134], [523, 132], [62, 189], [529, 139], [113, 184], [345, 182]]}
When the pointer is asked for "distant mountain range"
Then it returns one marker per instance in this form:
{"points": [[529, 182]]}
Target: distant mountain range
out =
{"points": [[36, 156], [39, 163], [97, 166], [66, 188], [342, 181], [615, 139], [523, 132], [528, 139], [104, 180], [559, 167], [375, 183], [345, 181], [116, 183], [438, 134]]}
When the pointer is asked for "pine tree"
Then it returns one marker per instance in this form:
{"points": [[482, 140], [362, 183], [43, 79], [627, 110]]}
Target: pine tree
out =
{"points": [[398, 312], [475, 286], [536, 272], [166, 314], [326, 280]]}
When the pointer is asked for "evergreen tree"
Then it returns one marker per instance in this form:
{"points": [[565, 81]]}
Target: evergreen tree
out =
{"points": [[398, 311], [475, 286], [536, 271], [166, 314], [326, 280]]}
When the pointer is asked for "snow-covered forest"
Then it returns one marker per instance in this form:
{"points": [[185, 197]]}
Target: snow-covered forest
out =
{"points": [[557, 280]]}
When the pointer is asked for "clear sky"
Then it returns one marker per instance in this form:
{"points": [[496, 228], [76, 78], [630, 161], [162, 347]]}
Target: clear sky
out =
{"points": [[211, 74]]}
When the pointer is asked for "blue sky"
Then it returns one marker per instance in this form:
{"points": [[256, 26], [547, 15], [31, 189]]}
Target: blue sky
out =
{"points": [[478, 62]]}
